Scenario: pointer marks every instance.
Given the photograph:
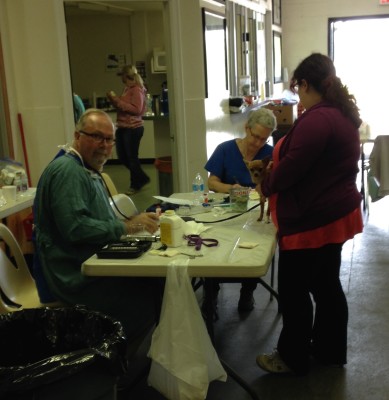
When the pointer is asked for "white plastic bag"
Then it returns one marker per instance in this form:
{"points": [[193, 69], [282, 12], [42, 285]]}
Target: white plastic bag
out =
{"points": [[184, 360]]}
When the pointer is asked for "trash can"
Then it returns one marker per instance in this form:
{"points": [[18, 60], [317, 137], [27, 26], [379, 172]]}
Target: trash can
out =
{"points": [[62, 354], [165, 175]]}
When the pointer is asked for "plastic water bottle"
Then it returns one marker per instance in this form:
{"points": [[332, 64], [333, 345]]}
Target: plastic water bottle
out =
{"points": [[198, 189], [149, 105]]}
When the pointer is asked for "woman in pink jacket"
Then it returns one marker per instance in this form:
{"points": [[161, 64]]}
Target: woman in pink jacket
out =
{"points": [[130, 106]]}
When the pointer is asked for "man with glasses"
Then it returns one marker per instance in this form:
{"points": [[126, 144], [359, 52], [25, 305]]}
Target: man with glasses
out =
{"points": [[227, 170], [73, 220]]}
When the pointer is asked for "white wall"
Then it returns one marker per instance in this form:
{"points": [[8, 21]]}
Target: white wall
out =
{"points": [[37, 77], [92, 37]]}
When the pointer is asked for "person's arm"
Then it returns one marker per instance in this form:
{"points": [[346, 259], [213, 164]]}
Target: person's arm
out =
{"points": [[132, 102], [216, 185]]}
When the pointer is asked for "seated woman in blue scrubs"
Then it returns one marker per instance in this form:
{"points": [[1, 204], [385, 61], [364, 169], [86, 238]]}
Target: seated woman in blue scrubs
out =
{"points": [[227, 169]]}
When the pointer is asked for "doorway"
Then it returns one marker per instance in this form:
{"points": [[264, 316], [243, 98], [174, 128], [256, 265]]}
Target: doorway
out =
{"points": [[357, 46]]}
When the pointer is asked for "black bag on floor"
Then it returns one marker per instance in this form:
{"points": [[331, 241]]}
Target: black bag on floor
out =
{"points": [[61, 353]]}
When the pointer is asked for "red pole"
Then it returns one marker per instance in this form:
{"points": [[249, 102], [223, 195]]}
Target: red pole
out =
{"points": [[24, 148]]}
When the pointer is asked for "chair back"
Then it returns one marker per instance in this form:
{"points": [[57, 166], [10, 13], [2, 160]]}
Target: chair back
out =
{"points": [[124, 204], [110, 185], [16, 282]]}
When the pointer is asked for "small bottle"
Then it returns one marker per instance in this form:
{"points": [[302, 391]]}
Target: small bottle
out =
{"points": [[198, 189], [18, 182], [149, 104], [24, 187], [171, 229]]}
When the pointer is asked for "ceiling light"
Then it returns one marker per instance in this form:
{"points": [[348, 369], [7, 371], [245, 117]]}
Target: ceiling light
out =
{"points": [[92, 6]]}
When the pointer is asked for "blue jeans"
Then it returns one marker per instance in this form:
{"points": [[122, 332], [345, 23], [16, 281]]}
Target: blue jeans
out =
{"points": [[127, 148]]}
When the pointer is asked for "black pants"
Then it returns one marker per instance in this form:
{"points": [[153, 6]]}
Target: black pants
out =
{"points": [[323, 331], [127, 148]]}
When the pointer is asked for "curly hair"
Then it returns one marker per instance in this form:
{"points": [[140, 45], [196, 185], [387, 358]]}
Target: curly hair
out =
{"points": [[264, 117], [319, 72]]}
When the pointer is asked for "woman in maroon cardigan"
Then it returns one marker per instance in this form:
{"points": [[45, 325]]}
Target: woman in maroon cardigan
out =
{"points": [[315, 205], [130, 106]]}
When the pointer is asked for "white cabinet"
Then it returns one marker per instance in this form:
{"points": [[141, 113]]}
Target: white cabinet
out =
{"points": [[156, 138]]}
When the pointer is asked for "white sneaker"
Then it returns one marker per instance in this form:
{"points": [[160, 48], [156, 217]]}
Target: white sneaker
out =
{"points": [[272, 363]]}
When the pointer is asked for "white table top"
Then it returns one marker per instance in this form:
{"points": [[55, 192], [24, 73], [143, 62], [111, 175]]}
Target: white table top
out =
{"points": [[22, 202], [226, 260]]}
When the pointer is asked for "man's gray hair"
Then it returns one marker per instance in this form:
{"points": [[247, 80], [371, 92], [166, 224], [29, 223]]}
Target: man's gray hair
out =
{"points": [[84, 117], [264, 117]]}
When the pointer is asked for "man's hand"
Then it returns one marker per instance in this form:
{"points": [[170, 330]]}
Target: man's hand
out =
{"points": [[148, 219]]}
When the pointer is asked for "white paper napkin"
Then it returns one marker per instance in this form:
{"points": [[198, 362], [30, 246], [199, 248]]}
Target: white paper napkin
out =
{"points": [[194, 228]]}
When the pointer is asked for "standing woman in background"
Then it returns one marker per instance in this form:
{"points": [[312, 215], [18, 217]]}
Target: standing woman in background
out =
{"points": [[130, 106]]}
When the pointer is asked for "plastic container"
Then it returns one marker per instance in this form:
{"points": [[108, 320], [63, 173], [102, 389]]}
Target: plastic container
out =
{"points": [[239, 198], [24, 186], [18, 182], [245, 85], [198, 189], [171, 229]]}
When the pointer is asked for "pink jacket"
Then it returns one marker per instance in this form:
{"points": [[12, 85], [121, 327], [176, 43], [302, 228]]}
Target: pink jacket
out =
{"points": [[131, 105]]}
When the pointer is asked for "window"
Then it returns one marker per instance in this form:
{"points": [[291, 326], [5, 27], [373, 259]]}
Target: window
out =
{"points": [[246, 44], [215, 57], [358, 47]]}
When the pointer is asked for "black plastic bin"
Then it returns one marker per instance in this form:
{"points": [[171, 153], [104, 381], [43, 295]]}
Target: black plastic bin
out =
{"points": [[165, 175], [62, 354]]}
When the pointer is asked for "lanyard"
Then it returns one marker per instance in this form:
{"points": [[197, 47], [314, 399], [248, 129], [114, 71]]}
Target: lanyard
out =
{"points": [[197, 241]]}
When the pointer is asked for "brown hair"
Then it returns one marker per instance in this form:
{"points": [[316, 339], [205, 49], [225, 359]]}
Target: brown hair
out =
{"points": [[319, 72]]}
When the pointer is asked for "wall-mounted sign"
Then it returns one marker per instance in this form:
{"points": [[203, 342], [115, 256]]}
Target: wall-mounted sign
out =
{"points": [[115, 62]]}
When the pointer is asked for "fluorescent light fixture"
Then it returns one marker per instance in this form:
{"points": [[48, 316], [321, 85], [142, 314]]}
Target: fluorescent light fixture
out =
{"points": [[213, 3], [92, 7]]}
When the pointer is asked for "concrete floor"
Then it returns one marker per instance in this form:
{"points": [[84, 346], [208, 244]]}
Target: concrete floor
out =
{"points": [[240, 337], [121, 179]]}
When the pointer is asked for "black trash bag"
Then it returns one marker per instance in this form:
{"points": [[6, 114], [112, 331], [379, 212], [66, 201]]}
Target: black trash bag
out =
{"points": [[41, 346]]}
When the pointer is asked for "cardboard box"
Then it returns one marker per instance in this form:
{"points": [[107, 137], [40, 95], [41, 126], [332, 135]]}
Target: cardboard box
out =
{"points": [[285, 114]]}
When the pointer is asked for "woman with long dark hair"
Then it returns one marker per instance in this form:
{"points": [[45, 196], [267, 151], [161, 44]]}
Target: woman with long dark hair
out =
{"points": [[315, 205]]}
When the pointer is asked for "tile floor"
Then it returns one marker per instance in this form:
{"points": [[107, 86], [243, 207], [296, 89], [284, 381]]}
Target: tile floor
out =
{"points": [[240, 337]]}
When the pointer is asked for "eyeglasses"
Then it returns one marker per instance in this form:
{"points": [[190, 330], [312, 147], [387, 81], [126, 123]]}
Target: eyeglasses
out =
{"points": [[99, 139], [294, 86], [257, 137]]}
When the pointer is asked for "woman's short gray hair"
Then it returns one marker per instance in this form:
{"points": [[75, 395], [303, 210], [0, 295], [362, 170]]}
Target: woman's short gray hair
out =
{"points": [[264, 117]]}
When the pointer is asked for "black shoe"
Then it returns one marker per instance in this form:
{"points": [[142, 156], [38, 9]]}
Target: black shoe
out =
{"points": [[136, 189], [246, 300]]}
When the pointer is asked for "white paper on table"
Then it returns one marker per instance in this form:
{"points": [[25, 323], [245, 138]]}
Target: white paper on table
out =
{"points": [[194, 228]]}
